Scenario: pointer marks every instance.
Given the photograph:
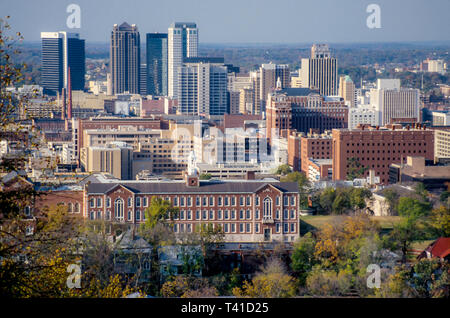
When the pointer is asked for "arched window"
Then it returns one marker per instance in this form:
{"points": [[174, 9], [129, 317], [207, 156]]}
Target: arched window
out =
{"points": [[70, 207], [77, 208], [267, 208], [118, 209]]}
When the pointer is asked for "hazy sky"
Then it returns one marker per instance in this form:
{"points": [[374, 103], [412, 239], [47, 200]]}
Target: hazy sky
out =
{"points": [[241, 21]]}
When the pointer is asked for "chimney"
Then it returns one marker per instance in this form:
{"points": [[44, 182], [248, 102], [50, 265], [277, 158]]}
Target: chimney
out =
{"points": [[69, 88], [393, 127], [378, 127], [250, 175]]}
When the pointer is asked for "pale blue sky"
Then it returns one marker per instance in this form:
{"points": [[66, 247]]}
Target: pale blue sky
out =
{"points": [[242, 21]]}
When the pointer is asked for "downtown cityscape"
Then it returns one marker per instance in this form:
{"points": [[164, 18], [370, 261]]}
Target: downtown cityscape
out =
{"points": [[156, 165]]}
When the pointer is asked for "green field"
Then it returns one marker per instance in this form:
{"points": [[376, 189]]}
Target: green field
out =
{"points": [[319, 221]]}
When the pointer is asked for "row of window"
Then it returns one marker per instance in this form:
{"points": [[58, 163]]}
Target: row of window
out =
{"points": [[241, 228], [199, 201]]}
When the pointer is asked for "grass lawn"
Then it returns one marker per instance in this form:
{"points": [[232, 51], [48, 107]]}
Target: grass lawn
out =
{"points": [[319, 221]]}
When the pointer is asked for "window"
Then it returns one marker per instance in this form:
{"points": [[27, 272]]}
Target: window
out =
{"points": [[292, 214], [138, 215], [292, 200], [138, 201], [257, 214], [175, 228], [286, 213], [211, 201], [219, 214], [211, 215], [241, 201], [130, 202], [257, 200], [182, 215], [129, 215], [292, 227], [286, 228], [241, 214], [277, 216], [77, 208], [181, 227], [108, 214], [257, 228], [99, 215], [118, 209], [227, 201], [233, 201], [286, 200], [225, 228], [248, 215], [197, 201], [277, 227], [219, 201], [197, 215], [205, 214], [249, 201], [267, 208], [189, 201], [189, 215], [233, 214], [189, 227], [227, 215], [108, 202], [233, 227], [204, 201], [247, 227], [92, 203], [241, 227], [278, 201], [144, 203], [175, 201], [181, 201]]}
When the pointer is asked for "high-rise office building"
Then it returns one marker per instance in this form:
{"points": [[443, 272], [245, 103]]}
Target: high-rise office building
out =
{"points": [[347, 90], [125, 59], [202, 86], [393, 103], [143, 80], [157, 64], [182, 43], [320, 71], [269, 75], [61, 51]]}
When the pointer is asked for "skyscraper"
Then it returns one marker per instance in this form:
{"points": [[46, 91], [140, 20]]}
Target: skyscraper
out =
{"points": [[269, 75], [125, 58], [320, 71], [182, 43], [157, 63], [143, 80], [202, 87], [61, 51]]}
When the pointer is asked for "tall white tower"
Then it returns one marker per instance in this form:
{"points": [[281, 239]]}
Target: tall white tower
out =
{"points": [[182, 42]]}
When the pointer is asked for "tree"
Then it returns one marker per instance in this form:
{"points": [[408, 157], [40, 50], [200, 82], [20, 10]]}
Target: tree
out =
{"points": [[326, 199], [302, 258], [355, 169], [159, 211], [283, 170], [440, 221], [303, 185], [205, 176], [392, 198], [414, 208], [271, 282]]}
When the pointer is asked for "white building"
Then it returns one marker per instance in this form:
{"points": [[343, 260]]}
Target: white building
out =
{"points": [[441, 118], [182, 42], [394, 102], [441, 144], [363, 114]]}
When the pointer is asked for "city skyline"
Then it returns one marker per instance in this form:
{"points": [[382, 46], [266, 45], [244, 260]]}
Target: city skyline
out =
{"points": [[246, 22]]}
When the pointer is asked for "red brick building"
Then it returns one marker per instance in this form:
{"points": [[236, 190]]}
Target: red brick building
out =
{"points": [[377, 148], [314, 146], [246, 210]]}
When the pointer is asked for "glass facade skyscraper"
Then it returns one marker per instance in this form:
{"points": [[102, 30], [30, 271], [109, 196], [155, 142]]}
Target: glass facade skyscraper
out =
{"points": [[157, 64], [61, 50]]}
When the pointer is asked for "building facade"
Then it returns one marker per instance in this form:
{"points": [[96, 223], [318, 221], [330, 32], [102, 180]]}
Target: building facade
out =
{"points": [[61, 51], [246, 211], [157, 71], [182, 43], [125, 59], [377, 148]]}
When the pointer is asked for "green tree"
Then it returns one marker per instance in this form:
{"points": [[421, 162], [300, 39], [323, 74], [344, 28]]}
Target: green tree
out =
{"points": [[355, 169], [205, 176], [409, 207], [283, 170], [303, 185], [392, 198], [302, 258], [159, 211], [326, 199]]}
